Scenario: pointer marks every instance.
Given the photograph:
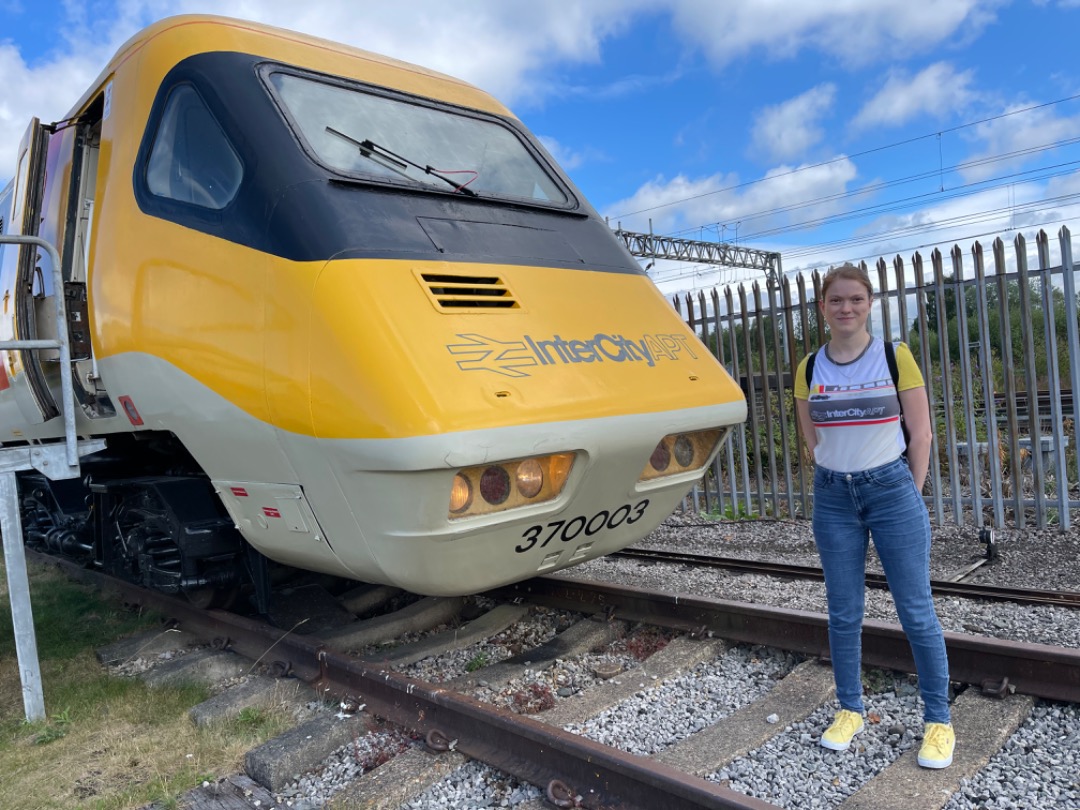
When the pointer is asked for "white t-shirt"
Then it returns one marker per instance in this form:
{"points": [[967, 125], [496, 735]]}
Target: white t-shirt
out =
{"points": [[854, 407]]}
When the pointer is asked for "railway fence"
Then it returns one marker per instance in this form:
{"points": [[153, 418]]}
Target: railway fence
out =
{"points": [[996, 336]]}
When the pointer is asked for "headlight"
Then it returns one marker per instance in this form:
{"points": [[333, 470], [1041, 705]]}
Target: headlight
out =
{"points": [[460, 494], [660, 459], [530, 477], [495, 485], [682, 452], [509, 484]]}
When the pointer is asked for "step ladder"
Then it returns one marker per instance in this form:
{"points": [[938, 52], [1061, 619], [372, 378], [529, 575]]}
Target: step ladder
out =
{"points": [[56, 460]]}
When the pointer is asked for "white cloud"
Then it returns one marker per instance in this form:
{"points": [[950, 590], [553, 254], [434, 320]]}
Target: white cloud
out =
{"points": [[513, 50], [934, 92], [786, 195], [45, 91], [1025, 137], [959, 221], [674, 203], [510, 50], [855, 32], [1067, 185], [788, 131], [1023, 207]]}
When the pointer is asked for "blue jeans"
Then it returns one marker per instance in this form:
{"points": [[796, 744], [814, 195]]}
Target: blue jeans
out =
{"points": [[883, 503]]}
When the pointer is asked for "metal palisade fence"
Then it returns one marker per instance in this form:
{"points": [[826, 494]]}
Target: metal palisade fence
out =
{"points": [[996, 336]]}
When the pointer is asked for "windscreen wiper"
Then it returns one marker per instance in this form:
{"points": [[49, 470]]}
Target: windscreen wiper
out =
{"points": [[398, 163]]}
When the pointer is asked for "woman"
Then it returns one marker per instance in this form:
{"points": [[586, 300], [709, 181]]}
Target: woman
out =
{"points": [[864, 488]]}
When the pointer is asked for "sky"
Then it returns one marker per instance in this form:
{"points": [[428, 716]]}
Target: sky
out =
{"points": [[825, 130]]}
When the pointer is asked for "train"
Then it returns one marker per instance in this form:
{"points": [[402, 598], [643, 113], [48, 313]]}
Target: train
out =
{"points": [[333, 312]]}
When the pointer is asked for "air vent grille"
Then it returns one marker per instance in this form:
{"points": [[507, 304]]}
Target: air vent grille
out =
{"points": [[469, 292]]}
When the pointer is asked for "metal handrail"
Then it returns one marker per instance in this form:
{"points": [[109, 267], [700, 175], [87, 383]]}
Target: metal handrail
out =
{"points": [[61, 343], [11, 460]]}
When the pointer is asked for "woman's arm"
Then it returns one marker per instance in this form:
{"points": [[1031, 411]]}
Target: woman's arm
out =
{"points": [[920, 432], [806, 425]]}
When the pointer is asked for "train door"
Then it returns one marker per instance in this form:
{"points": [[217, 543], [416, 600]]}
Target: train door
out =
{"points": [[58, 169], [69, 194], [28, 378]]}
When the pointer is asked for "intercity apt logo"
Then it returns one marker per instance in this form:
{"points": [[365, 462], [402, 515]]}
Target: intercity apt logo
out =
{"points": [[510, 358]]}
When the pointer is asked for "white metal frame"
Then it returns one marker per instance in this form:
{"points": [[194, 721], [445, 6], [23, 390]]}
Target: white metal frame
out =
{"points": [[54, 460]]}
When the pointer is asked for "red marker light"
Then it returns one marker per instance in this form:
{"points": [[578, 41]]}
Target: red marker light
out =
{"points": [[130, 410], [495, 485]]}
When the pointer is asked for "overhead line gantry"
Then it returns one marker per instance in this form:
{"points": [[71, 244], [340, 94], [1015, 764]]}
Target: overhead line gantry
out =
{"points": [[723, 254]]}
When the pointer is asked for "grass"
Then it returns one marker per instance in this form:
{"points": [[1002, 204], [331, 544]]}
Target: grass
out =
{"points": [[108, 742], [478, 661], [730, 514]]}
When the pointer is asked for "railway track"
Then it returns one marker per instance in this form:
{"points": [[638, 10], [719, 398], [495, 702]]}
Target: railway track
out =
{"points": [[573, 770], [1023, 596]]}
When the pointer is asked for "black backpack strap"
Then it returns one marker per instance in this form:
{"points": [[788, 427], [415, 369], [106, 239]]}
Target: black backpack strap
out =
{"points": [[890, 358], [810, 367], [894, 370]]}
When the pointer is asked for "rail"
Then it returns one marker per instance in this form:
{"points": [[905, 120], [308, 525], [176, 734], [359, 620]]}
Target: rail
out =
{"points": [[543, 754], [529, 749], [1021, 596], [1040, 670]]}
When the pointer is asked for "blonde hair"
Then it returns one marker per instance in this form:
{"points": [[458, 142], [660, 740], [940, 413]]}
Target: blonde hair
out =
{"points": [[850, 272]]}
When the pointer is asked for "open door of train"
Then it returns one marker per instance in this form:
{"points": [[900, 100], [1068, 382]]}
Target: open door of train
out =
{"points": [[23, 281], [52, 198], [67, 221]]}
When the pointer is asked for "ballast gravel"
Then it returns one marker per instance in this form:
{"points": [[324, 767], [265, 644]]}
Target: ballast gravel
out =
{"points": [[793, 770], [1038, 769], [344, 765], [539, 626], [654, 719], [658, 717], [1028, 771]]}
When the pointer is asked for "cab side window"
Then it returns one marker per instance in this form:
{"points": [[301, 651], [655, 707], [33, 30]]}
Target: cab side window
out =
{"points": [[192, 160]]}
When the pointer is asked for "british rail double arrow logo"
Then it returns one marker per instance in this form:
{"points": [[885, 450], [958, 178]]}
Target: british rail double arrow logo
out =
{"points": [[487, 354]]}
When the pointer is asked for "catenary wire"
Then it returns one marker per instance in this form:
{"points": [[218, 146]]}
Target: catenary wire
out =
{"points": [[810, 250], [874, 187], [862, 153]]}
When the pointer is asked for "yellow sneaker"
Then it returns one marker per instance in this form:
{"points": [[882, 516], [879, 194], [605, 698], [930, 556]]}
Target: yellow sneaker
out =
{"points": [[845, 726], [937, 746]]}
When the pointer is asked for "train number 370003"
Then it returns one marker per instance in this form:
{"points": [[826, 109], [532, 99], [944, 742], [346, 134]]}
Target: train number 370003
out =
{"points": [[567, 530]]}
